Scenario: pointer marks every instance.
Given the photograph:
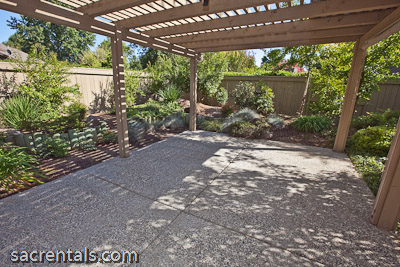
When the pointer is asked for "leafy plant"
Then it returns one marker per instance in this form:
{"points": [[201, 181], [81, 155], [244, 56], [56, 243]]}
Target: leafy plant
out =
{"points": [[213, 125], [227, 110], [109, 137], [257, 96], [45, 81], [153, 110], [87, 145], [53, 147], [389, 119], [17, 168], [170, 94], [314, 124], [370, 168], [221, 95], [21, 112], [372, 140], [243, 129], [74, 118], [175, 70], [132, 88]]}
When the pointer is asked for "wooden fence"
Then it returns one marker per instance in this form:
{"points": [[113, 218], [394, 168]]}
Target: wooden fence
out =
{"points": [[96, 86]]}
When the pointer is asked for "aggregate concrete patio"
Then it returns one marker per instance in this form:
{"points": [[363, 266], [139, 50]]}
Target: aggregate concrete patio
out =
{"points": [[206, 199]]}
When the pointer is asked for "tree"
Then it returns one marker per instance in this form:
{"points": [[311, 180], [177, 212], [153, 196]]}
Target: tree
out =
{"points": [[102, 56], [68, 43], [330, 68], [273, 59], [305, 56], [175, 70], [240, 61]]}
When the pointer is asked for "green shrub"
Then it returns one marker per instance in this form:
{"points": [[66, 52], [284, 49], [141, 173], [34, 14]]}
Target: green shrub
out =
{"points": [[389, 119], [314, 124], [132, 88], [46, 81], [170, 94], [257, 96], [370, 168], [242, 115], [53, 147], [227, 110], [21, 112], [243, 129], [17, 168], [108, 137], [211, 126], [221, 95], [153, 110], [74, 118], [372, 140]]}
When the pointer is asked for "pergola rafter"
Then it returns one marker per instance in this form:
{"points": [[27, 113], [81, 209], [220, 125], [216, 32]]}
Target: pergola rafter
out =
{"points": [[190, 27]]}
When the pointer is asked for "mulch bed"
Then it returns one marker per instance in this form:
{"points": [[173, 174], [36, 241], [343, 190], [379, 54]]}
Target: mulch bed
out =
{"points": [[290, 135]]}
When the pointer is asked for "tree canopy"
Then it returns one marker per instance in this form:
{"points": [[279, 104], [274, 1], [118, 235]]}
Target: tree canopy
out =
{"points": [[330, 68], [68, 43]]}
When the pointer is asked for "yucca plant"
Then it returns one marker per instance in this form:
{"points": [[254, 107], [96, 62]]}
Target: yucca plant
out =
{"points": [[17, 168], [170, 94], [20, 112]]}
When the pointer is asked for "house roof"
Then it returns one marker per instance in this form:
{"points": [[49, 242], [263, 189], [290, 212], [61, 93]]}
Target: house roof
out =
{"points": [[189, 27], [7, 52]]}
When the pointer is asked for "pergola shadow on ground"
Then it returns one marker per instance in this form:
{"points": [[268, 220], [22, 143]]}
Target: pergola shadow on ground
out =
{"points": [[189, 28], [206, 199]]}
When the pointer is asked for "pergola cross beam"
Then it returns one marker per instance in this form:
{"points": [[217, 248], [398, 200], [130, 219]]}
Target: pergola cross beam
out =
{"points": [[320, 9]]}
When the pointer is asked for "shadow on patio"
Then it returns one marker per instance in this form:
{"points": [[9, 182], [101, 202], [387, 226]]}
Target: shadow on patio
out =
{"points": [[207, 199]]}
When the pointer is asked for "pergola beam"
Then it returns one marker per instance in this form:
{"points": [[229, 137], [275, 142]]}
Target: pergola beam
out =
{"points": [[193, 94], [320, 9], [388, 26], [334, 22], [386, 211], [279, 44], [289, 37], [119, 91], [68, 17], [191, 10], [108, 6], [350, 97]]}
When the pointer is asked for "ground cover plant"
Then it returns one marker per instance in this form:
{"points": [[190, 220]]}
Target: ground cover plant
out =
{"points": [[368, 147], [211, 125]]}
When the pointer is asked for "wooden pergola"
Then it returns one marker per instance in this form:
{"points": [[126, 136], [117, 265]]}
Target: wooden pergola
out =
{"points": [[191, 27]]}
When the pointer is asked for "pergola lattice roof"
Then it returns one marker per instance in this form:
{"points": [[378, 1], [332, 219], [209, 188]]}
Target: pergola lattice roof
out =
{"points": [[188, 27]]}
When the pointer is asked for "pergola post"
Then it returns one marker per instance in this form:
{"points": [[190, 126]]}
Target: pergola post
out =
{"points": [[119, 90], [386, 211], [350, 97], [193, 93]]}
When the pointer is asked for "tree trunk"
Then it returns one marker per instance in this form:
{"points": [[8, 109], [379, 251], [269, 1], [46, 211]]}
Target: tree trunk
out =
{"points": [[303, 101]]}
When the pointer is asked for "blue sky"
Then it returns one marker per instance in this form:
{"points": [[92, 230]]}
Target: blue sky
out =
{"points": [[5, 32]]}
